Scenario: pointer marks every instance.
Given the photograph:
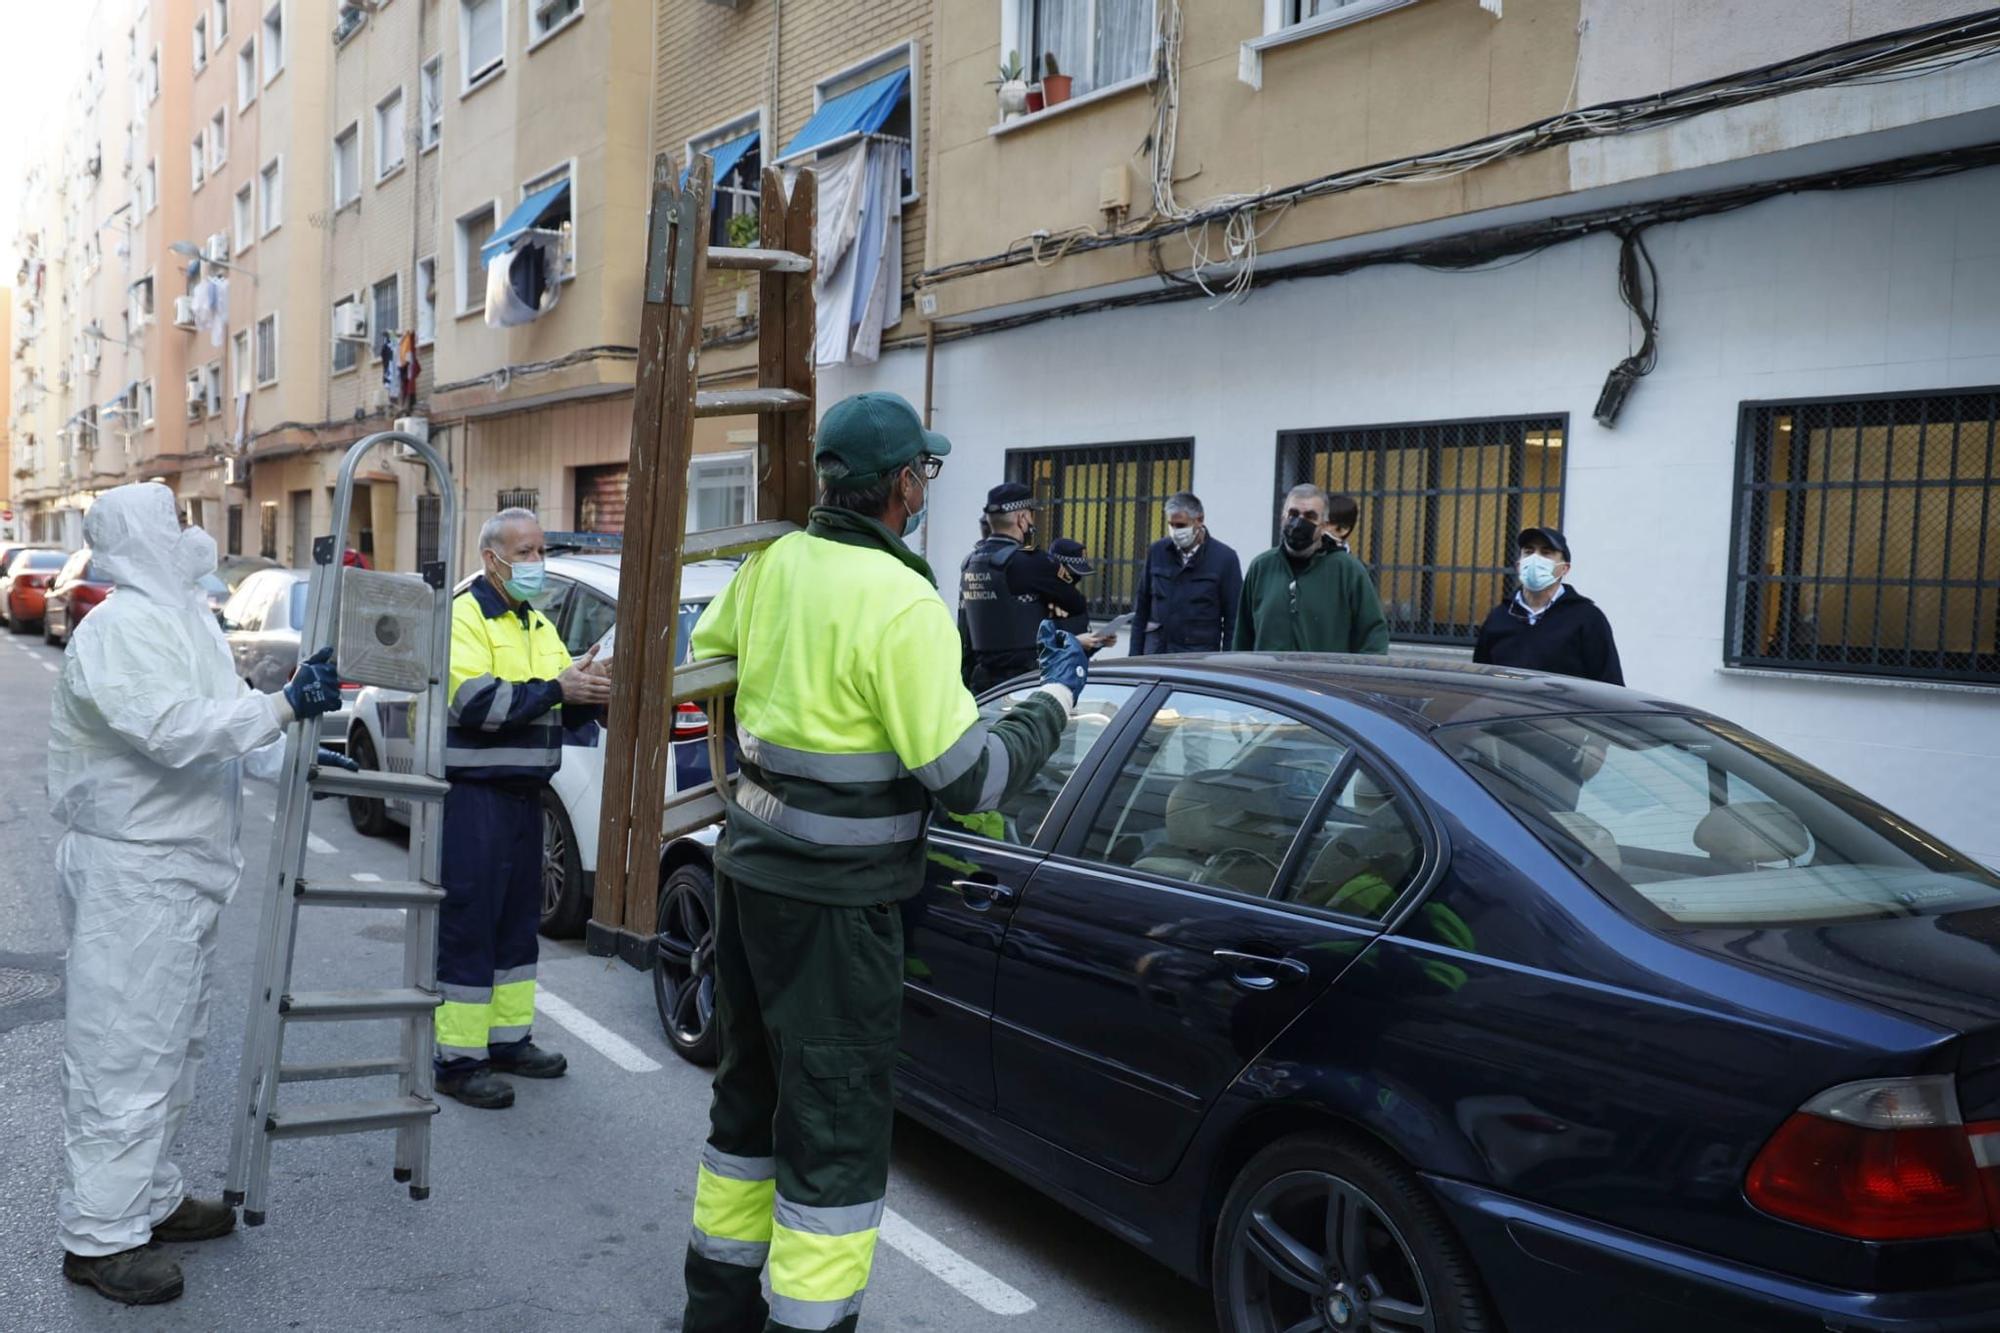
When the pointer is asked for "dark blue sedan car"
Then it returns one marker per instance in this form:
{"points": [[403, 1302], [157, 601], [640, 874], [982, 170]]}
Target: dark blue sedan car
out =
{"points": [[1417, 996]]}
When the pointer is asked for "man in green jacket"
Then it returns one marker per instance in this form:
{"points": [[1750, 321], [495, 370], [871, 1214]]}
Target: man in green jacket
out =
{"points": [[1308, 594], [852, 723]]}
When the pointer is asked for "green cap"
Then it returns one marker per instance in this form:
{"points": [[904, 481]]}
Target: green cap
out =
{"points": [[874, 434]]}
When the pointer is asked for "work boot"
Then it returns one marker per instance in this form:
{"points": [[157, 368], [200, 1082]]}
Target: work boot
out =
{"points": [[479, 1088], [142, 1276], [197, 1219], [531, 1061]]}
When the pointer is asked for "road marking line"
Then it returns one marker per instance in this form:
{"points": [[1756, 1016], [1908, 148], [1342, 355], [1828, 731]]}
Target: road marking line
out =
{"points": [[318, 844], [588, 1030], [49, 666], [950, 1267], [365, 877]]}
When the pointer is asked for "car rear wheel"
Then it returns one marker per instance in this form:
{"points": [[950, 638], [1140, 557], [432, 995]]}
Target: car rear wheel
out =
{"points": [[370, 816], [15, 625], [1318, 1234], [684, 963], [565, 906]]}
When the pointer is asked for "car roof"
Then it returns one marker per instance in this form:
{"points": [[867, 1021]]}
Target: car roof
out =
{"points": [[598, 570], [1423, 692]]}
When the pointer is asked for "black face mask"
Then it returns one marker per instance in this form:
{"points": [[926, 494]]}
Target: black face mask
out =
{"points": [[1301, 535]]}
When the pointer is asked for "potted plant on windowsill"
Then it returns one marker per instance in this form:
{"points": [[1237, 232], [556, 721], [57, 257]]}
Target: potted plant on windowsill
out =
{"points": [[1013, 89], [1055, 83]]}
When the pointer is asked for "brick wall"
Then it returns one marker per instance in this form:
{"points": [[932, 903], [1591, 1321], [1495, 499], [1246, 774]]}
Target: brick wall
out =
{"points": [[714, 63]]}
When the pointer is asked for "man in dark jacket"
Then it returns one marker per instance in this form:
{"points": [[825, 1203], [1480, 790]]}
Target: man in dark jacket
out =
{"points": [[1308, 594], [1188, 589], [1006, 589], [1548, 625]]}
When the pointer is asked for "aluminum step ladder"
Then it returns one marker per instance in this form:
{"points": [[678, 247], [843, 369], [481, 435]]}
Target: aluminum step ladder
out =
{"points": [[636, 818], [391, 630]]}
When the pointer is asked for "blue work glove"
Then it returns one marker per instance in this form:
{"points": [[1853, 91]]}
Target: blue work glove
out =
{"points": [[315, 687], [326, 758], [335, 759], [1063, 660]]}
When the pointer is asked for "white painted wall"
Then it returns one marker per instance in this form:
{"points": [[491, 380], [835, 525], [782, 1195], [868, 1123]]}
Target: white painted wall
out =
{"points": [[1890, 289]]}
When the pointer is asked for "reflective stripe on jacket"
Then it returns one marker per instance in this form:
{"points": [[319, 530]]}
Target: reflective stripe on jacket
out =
{"points": [[851, 717], [506, 722]]}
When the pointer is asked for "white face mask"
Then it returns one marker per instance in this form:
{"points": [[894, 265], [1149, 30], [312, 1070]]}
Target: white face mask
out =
{"points": [[1184, 538], [1538, 573]]}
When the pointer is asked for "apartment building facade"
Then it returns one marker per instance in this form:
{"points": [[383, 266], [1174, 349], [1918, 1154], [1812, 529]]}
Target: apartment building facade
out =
{"points": [[842, 89], [1380, 245]]}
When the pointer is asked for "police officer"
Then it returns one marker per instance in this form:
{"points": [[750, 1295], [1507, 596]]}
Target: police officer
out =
{"points": [[514, 695], [851, 726], [1073, 566], [1006, 588]]}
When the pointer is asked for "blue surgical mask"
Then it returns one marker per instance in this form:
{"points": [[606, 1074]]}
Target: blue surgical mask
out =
{"points": [[530, 578], [1538, 572], [915, 519]]}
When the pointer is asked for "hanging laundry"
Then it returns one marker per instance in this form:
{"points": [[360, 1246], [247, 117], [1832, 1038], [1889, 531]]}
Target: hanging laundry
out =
{"points": [[520, 283], [860, 241], [386, 353], [406, 361]]}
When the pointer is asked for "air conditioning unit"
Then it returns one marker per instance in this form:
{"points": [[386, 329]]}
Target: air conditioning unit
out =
{"points": [[197, 399], [217, 250], [350, 321], [184, 312]]}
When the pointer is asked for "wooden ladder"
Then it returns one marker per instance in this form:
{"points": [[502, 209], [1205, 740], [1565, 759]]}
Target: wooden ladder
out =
{"points": [[636, 817]]}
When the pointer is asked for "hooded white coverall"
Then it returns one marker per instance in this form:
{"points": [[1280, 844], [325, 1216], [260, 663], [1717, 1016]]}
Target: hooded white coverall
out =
{"points": [[149, 730]]}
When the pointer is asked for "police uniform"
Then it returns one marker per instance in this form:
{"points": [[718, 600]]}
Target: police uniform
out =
{"points": [[1005, 592], [502, 745], [852, 723]]}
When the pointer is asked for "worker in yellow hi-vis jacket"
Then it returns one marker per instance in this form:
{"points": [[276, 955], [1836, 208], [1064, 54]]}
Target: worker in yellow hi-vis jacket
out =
{"points": [[852, 722]]}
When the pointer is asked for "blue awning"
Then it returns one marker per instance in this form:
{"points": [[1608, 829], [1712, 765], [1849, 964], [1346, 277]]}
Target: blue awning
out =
{"points": [[527, 215], [726, 156], [863, 111]]}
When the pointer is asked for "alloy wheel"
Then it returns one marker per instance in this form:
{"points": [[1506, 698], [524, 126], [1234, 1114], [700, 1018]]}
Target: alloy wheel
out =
{"points": [[683, 969], [555, 853], [1316, 1254]]}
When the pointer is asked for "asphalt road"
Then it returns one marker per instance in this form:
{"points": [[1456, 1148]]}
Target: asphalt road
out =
{"points": [[568, 1211]]}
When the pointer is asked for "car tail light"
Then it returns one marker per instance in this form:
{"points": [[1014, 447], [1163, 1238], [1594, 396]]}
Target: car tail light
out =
{"points": [[690, 723], [1885, 1159]]}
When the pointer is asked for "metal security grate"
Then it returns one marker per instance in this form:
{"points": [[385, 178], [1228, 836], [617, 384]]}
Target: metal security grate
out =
{"points": [[1108, 497], [1867, 537], [521, 498], [1441, 505]]}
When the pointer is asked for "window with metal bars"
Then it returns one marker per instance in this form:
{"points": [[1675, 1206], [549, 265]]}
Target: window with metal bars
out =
{"points": [[1867, 537], [522, 498], [430, 510], [235, 530], [1442, 503], [1109, 497]]}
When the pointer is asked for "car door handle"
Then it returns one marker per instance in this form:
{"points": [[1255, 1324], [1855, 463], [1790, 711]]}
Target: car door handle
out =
{"points": [[981, 896], [1256, 971]]}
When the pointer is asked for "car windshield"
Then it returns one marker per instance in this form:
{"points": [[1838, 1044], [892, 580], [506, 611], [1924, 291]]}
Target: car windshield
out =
{"points": [[1692, 822]]}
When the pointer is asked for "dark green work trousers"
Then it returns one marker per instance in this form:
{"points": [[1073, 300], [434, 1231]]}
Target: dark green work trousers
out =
{"points": [[808, 1003]]}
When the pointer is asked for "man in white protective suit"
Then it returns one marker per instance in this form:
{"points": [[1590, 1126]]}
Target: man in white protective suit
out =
{"points": [[149, 732]]}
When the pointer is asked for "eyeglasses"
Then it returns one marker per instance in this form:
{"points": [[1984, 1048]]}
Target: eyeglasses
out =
{"points": [[928, 466]]}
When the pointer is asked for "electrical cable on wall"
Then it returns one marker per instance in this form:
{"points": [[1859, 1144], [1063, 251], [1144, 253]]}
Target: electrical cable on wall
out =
{"points": [[1245, 220], [1641, 294]]}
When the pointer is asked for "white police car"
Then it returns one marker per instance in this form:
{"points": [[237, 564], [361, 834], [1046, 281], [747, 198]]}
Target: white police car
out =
{"points": [[582, 603]]}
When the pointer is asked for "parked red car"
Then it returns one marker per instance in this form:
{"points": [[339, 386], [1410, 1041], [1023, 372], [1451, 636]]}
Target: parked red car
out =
{"points": [[76, 590], [24, 592]]}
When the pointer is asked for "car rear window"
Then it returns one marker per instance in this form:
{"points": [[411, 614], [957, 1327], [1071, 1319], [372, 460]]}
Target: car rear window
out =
{"points": [[1690, 822], [39, 562]]}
